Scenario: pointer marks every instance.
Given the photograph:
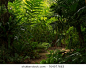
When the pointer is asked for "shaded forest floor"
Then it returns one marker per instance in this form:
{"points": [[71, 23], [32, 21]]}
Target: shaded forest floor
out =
{"points": [[44, 54]]}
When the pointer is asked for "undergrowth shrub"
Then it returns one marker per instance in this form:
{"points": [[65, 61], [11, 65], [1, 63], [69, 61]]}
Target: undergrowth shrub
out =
{"points": [[75, 57], [72, 38], [42, 47], [15, 42], [41, 33]]}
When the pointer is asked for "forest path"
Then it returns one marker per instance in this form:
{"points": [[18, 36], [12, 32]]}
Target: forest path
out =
{"points": [[43, 55]]}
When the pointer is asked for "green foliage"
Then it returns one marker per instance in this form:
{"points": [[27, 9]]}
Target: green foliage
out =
{"points": [[43, 45], [32, 10], [41, 33], [20, 43], [26, 24], [74, 13], [70, 58], [52, 57], [16, 59], [72, 38]]}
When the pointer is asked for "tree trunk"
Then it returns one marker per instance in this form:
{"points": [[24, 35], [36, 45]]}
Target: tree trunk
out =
{"points": [[81, 39]]}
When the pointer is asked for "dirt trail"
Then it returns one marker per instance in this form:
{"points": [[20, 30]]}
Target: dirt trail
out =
{"points": [[43, 55]]}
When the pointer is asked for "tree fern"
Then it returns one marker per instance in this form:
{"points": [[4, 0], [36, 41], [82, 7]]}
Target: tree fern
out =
{"points": [[33, 9]]}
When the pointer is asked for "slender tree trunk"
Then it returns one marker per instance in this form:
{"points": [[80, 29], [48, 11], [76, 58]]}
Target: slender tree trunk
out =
{"points": [[81, 39]]}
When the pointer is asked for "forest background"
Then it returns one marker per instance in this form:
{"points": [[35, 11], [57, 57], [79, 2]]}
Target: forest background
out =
{"points": [[28, 27]]}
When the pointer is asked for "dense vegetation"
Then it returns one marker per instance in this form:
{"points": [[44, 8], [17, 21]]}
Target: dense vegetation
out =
{"points": [[26, 24]]}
